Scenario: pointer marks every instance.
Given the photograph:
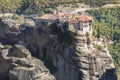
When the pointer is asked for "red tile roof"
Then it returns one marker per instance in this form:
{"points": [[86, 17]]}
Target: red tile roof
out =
{"points": [[67, 15], [84, 18], [71, 19]]}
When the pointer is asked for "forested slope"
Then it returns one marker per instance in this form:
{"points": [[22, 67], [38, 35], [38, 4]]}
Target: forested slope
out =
{"points": [[33, 6], [107, 25]]}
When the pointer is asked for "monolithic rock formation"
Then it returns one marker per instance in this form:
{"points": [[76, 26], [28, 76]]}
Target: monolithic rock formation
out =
{"points": [[68, 54], [78, 60]]}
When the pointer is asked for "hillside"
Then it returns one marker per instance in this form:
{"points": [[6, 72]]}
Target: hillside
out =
{"points": [[107, 25], [41, 6]]}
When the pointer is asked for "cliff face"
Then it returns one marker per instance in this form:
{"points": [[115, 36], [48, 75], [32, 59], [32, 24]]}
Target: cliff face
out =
{"points": [[76, 61], [8, 30], [68, 56]]}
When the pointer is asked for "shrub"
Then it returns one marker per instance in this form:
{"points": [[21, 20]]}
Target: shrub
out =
{"points": [[98, 47], [7, 46]]}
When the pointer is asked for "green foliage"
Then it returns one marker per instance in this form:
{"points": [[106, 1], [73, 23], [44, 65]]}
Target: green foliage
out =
{"points": [[18, 19], [115, 52], [97, 3], [98, 47], [88, 38], [106, 23], [37, 6], [87, 34], [15, 17], [9, 5], [7, 46]]}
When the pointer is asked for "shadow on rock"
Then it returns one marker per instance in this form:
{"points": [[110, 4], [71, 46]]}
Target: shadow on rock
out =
{"points": [[109, 75]]}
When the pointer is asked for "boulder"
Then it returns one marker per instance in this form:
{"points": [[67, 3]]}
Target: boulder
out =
{"points": [[18, 64], [8, 31], [19, 51]]}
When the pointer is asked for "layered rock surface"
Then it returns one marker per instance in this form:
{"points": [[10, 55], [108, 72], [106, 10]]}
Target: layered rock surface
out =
{"points": [[17, 63], [8, 31], [76, 61], [82, 60]]}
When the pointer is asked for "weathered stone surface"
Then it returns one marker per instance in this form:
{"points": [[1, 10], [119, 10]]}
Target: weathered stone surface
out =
{"points": [[20, 52], [1, 46], [8, 31], [21, 65], [78, 61]]}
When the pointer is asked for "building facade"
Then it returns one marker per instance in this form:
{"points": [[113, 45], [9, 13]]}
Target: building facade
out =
{"points": [[79, 22]]}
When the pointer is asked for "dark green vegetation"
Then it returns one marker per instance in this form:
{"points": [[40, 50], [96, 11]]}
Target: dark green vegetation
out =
{"points": [[22, 6], [43, 6], [98, 47], [10, 5], [98, 3], [7, 46], [107, 25], [115, 51]]}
